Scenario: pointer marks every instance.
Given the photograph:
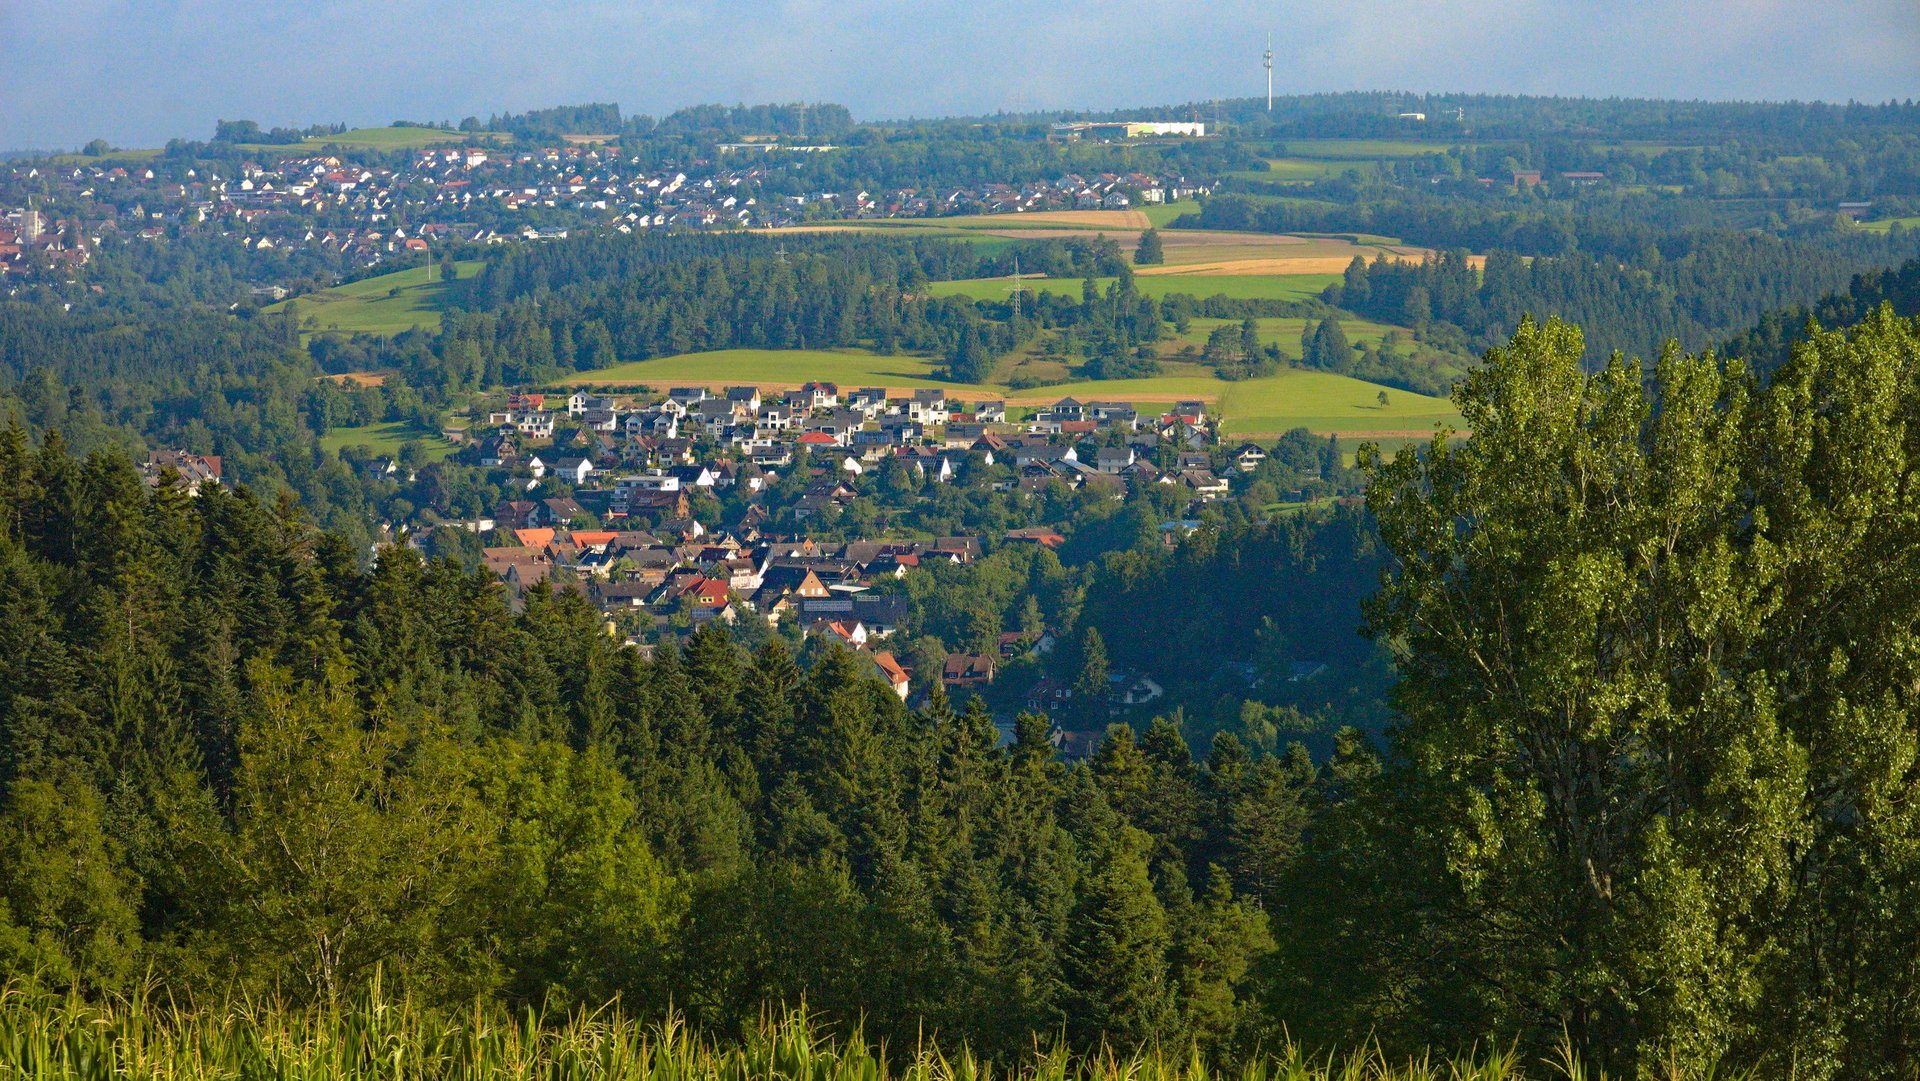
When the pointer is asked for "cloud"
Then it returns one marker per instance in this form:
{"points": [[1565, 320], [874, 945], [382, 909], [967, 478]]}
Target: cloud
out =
{"points": [[140, 71]]}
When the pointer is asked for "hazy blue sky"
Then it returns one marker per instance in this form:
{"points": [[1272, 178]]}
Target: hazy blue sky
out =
{"points": [[139, 71]]}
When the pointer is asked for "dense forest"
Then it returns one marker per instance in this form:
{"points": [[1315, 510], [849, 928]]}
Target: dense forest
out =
{"points": [[1645, 788], [1632, 286]]}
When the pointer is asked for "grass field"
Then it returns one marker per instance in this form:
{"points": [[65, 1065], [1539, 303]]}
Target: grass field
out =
{"points": [[385, 438], [1885, 225], [1235, 286], [1302, 170], [1367, 149], [1318, 401], [353, 139], [1287, 331], [388, 138], [1163, 213], [366, 307], [783, 368], [109, 159], [1290, 399]]}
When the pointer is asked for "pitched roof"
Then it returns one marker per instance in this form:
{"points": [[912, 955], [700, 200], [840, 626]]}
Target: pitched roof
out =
{"points": [[890, 668], [534, 538]]}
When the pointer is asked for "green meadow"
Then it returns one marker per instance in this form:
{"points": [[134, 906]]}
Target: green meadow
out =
{"points": [[1367, 149], [388, 138], [1287, 331], [1163, 213], [1885, 225], [1289, 399], [385, 438], [1232, 286], [780, 367], [371, 306], [355, 139]]}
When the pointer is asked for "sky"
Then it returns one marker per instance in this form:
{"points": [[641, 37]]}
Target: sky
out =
{"points": [[138, 72]]}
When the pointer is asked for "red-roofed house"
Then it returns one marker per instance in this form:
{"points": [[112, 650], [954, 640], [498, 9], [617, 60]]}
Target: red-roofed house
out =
{"points": [[891, 671], [534, 538]]}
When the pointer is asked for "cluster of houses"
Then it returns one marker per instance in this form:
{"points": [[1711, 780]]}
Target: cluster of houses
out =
{"points": [[626, 459], [31, 241], [677, 574], [368, 212], [621, 526]]}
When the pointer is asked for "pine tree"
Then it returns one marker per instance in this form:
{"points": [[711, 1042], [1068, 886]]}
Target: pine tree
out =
{"points": [[1150, 252], [1116, 957], [1090, 688]]}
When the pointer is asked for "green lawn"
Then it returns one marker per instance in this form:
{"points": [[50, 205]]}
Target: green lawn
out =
{"points": [[385, 438], [1885, 225], [366, 306]]}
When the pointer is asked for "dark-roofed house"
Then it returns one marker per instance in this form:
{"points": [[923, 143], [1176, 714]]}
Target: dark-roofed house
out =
{"points": [[966, 672]]}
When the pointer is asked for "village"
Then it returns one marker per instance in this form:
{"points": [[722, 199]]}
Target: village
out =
{"points": [[365, 213], [669, 511]]}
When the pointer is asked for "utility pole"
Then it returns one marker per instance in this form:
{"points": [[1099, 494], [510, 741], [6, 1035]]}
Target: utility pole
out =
{"points": [[1016, 288]]}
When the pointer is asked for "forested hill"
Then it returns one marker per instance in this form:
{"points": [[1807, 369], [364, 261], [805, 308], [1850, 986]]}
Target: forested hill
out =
{"points": [[1632, 285], [1768, 344]]}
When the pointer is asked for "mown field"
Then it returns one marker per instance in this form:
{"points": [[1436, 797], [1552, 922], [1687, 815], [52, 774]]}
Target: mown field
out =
{"points": [[1319, 401], [369, 306], [1885, 225], [386, 438]]}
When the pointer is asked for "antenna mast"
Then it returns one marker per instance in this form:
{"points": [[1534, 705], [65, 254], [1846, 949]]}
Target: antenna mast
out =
{"points": [[1016, 287], [1268, 60]]}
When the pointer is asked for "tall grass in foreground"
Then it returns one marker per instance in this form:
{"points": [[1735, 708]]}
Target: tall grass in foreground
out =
{"points": [[141, 1038]]}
